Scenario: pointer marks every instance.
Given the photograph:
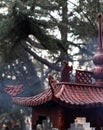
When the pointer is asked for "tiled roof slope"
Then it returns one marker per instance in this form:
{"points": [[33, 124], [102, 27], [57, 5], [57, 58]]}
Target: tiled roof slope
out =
{"points": [[70, 94], [14, 90], [34, 100]]}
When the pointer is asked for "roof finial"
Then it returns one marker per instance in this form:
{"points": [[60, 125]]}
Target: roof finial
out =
{"points": [[100, 31], [98, 57]]}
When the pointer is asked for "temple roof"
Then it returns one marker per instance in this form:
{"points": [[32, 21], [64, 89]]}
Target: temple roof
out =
{"points": [[66, 94]]}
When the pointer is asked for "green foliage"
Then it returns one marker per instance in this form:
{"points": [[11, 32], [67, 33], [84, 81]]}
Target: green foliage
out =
{"points": [[24, 18], [40, 19], [83, 21]]}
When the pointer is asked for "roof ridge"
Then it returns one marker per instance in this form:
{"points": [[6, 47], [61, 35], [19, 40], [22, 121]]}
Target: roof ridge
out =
{"points": [[79, 84], [53, 84], [60, 91]]}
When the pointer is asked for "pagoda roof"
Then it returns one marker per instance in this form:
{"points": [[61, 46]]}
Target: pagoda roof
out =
{"points": [[65, 93]]}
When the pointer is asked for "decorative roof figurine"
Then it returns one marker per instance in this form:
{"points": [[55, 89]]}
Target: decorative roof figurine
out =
{"points": [[65, 72]]}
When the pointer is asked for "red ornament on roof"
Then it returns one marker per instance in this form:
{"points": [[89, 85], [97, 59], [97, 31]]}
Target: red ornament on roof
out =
{"points": [[65, 72], [98, 57]]}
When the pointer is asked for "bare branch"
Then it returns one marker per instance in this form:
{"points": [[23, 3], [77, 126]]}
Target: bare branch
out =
{"points": [[35, 44], [43, 61]]}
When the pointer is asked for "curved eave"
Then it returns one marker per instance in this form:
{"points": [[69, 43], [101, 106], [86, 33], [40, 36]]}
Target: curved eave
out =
{"points": [[34, 100]]}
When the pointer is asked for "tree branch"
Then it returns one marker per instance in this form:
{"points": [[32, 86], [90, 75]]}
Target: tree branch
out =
{"points": [[43, 61], [35, 44]]}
